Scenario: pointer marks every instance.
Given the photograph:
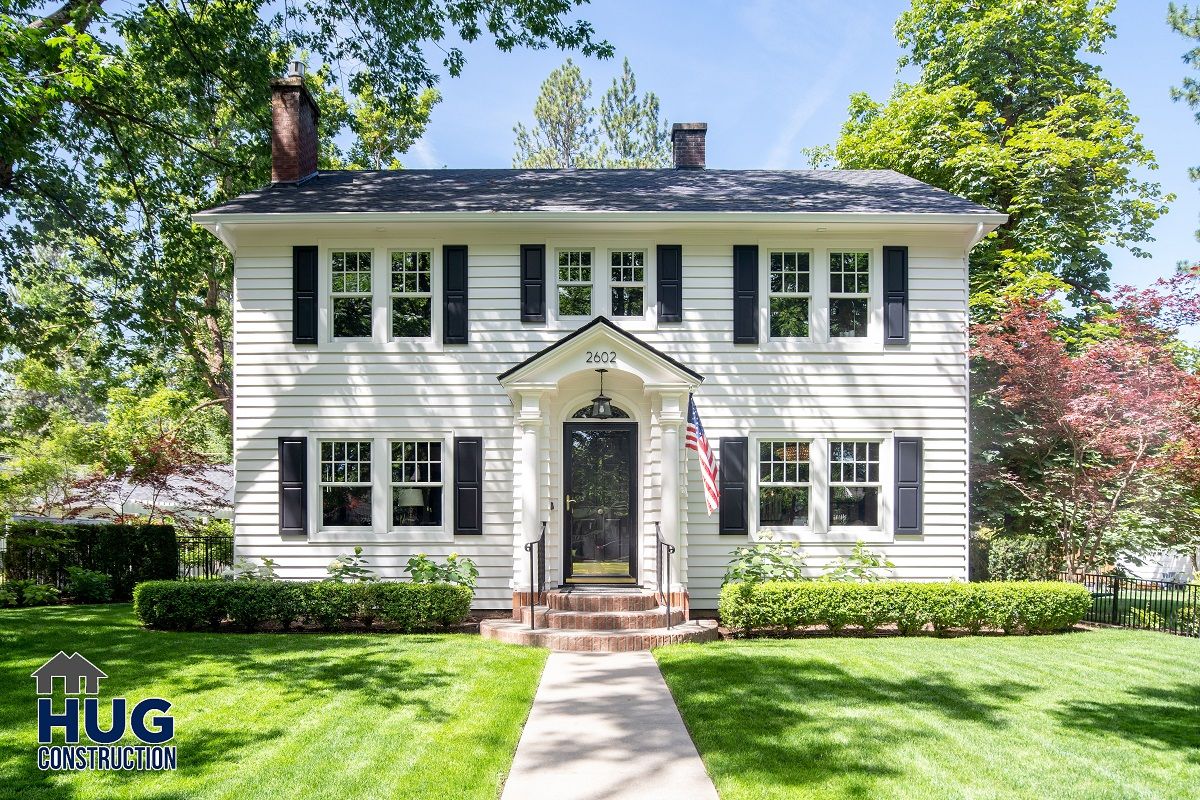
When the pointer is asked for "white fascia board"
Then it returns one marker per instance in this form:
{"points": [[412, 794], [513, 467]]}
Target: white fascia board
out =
{"points": [[988, 220]]}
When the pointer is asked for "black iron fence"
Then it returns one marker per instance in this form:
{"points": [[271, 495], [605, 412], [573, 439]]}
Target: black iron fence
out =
{"points": [[1165, 606], [204, 556]]}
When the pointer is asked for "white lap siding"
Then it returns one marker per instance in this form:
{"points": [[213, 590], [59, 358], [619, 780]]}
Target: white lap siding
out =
{"points": [[376, 389]]}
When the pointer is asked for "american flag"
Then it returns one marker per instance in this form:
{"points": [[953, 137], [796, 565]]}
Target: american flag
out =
{"points": [[696, 440]]}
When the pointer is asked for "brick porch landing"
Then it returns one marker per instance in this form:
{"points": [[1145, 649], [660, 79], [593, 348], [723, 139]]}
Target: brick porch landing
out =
{"points": [[598, 621]]}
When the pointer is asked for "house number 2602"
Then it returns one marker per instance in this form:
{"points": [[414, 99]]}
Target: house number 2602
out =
{"points": [[601, 357]]}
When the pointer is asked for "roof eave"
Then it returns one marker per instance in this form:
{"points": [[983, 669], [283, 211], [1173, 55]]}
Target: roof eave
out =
{"points": [[208, 219]]}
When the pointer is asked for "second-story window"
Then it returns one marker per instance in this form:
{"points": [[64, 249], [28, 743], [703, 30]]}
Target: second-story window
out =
{"points": [[574, 283], [350, 294], [412, 294], [790, 293], [849, 293], [627, 283]]}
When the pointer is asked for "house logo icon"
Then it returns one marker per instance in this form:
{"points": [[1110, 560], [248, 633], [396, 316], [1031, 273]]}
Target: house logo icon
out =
{"points": [[75, 671]]}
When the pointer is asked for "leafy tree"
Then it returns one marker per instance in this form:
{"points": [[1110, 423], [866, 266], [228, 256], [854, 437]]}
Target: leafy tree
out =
{"points": [[1094, 438], [116, 124], [563, 135], [1008, 112], [1185, 20], [632, 132]]}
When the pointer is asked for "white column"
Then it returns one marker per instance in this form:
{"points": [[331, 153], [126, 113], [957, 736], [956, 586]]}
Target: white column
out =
{"points": [[671, 419], [528, 481]]}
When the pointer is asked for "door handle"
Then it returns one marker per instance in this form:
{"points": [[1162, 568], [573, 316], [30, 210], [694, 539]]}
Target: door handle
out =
{"points": [[569, 501]]}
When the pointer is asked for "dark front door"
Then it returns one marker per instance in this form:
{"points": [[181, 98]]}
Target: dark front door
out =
{"points": [[600, 501]]}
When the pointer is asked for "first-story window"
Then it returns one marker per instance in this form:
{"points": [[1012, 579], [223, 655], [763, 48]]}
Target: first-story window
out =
{"points": [[854, 483], [412, 294], [627, 282], [849, 293], [417, 483], [346, 483], [790, 289], [350, 293], [784, 483], [574, 283]]}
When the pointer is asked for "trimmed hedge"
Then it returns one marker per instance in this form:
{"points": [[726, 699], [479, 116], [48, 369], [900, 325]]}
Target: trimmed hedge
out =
{"points": [[251, 604], [1026, 607], [129, 554]]}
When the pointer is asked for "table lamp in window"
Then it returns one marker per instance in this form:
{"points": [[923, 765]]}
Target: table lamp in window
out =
{"points": [[412, 501]]}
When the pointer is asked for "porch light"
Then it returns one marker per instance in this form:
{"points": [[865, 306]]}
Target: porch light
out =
{"points": [[602, 403]]}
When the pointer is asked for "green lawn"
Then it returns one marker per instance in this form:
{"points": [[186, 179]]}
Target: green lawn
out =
{"points": [[1081, 716], [279, 716]]}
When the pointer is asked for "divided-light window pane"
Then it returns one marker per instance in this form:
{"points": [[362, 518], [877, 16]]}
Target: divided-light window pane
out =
{"points": [[784, 475], [854, 483], [350, 287], [345, 479], [790, 284], [627, 282], [574, 283], [849, 293], [417, 486], [412, 294]]}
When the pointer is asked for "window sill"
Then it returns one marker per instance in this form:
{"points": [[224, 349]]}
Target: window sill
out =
{"points": [[390, 346], [415, 534]]}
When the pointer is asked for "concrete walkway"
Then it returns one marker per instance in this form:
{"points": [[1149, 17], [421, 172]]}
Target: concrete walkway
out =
{"points": [[604, 727]]}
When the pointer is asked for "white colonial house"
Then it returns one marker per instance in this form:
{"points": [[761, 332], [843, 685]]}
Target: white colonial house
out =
{"points": [[419, 353]]}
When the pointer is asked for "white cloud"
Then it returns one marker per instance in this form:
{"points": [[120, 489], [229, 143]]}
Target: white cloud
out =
{"points": [[421, 156]]}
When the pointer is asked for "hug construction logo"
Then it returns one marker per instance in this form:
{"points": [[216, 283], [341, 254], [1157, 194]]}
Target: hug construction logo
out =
{"points": [[148, 722]]}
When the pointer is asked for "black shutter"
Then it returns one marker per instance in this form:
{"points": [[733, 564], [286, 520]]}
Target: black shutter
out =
{"points": [[908, 484], [293, 485], [895, 295], [533, 283], [468, 485], [745, 294], [732, 482], [454, 294], [304, 295], [670, 283]]}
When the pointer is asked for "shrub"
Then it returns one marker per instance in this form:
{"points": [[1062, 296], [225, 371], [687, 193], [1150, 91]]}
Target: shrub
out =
{"points": [[8, 595], [1032, 607], [1187, 621], [1144, 618], [350, 568], [251, 604], [128, 554], [768, 560], [88, 586], [862, 565], [1021, 558], [37, 594], [424, 569]]}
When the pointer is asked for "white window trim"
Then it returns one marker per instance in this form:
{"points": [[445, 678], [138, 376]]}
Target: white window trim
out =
{"points": [[844, 295], [831, 484], [381, 530], [318, 484], [593, 285], [330, 295], [431, 294], [819, 339], [446, 488], [809, 295], [602, 249], [381, 296], [819, 530], [778, 529], [644, 284]]}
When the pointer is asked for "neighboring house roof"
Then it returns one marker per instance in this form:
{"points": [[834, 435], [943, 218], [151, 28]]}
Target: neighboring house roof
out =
{"points": [[603, 190]]}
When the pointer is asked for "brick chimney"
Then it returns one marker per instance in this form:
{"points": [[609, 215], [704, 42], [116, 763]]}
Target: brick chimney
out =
{"points": [[294, 117], [687, 144]]}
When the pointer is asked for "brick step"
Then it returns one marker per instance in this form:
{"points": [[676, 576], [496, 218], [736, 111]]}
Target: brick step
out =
{"points": [[513, 632], [632, 600], [601, 620]]}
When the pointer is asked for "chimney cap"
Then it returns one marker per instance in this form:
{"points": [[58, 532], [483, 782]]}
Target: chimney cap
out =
{"points": [[689, 126], [296, 69]]}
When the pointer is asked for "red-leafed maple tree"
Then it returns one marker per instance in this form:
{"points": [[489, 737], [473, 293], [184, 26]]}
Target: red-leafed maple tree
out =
{"points": [[1101, 422]]}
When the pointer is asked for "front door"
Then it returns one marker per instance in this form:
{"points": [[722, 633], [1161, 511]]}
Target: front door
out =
{"points": [[600, 502]]}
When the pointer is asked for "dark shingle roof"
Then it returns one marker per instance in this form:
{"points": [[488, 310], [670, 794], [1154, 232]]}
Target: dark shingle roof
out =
{"points": [[621, 190]]}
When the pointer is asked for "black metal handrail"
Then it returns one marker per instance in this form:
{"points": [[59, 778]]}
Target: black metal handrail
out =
{"points": [[536, 548], [662, 557]]}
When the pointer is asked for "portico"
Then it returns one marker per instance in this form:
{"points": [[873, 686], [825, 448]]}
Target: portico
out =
{"points": [[599, 484]]}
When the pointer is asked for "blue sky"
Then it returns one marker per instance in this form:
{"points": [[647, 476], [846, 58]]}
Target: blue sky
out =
{"points": [[773, 76]]}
